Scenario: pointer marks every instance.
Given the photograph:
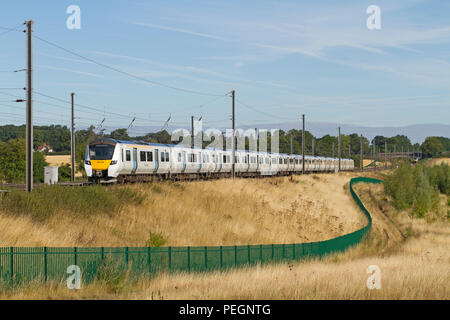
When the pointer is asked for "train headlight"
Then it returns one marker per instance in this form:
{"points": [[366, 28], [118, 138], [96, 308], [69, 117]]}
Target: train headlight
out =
{"points": [[113, 162], [88, 162]]}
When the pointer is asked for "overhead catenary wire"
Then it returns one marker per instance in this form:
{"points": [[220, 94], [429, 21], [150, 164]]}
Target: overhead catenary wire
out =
{"points": [[125, 72]]}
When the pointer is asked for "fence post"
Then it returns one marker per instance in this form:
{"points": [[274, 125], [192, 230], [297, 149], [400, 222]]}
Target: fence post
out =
{"points": [[45, 264], [11, 252], [169, 253], [282, 251], [293, 251], [221, 257], [189, 258], [102, 250], [273, 253], [75, 255], [149, 260], [206, 258], [126, 255], [248, 252], [235, 255], [260, 253]]}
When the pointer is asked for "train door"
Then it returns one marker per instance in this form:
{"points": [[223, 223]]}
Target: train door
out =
{"points": [[135, 161], [183, 155], [156, 160]]}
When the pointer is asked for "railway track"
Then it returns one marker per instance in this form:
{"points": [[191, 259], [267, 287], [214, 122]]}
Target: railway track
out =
{"points": [[22, 186]]}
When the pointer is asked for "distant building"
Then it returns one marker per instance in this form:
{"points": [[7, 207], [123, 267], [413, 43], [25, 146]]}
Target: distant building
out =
{"points": [[45, 148]]}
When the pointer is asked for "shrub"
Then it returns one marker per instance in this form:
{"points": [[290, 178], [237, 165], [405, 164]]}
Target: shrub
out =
{"points": [[156, 240], [45, 201], [418, 187]]}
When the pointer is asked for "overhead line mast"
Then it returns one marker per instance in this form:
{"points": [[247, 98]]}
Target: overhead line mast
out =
{"points": [[29, 112]]}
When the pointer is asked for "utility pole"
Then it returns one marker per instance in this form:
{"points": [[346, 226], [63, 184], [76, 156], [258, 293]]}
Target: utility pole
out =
{"points": [[303, 145], [385, 154], [72, 141], [256, 139], [29, 125], [292, 145], [192, 132], [312, 151], [339, 148], [233, 142], [374, 157], [361, 155]]}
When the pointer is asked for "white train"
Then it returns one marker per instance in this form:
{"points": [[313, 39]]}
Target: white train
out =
{"points": [[116, 160]]}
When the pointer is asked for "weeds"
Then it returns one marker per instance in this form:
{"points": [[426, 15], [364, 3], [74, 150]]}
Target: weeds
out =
{"points": [[46, 201], [156, 240]]}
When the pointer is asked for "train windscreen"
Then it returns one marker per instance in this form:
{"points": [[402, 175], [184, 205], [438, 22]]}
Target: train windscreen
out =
{"points": [[101, 152]]}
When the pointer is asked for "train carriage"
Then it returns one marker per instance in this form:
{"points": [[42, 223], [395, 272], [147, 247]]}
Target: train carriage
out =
{"points": [[118, 160]]}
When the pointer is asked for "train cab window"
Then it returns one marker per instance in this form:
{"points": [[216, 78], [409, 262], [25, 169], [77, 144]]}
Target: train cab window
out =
{"points": [[142, 156], [128, 155], [149, 156], [167, 157]]}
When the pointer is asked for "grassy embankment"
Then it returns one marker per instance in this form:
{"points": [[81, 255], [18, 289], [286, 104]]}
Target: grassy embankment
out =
{"points": [[412, 252]]}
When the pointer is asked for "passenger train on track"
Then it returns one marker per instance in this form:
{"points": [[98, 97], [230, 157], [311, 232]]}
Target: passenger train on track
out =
{"points": [[110, 160]]}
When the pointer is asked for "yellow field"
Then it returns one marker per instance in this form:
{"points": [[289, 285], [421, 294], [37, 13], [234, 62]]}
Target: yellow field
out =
{"points": [[60, 160], [412, 254], [438, 161], [57, 160]]}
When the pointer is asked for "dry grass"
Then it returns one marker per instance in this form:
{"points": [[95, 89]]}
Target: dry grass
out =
{"points": [[437, 161], [219, 212], [413, 268]]}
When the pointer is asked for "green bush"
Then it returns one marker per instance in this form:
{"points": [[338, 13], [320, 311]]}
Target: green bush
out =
{"points": [[64, 172], [417, 187], [156, 240], [46, 201]]}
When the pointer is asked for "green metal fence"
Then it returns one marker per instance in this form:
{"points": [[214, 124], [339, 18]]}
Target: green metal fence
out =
{"points": [[21, 265]]}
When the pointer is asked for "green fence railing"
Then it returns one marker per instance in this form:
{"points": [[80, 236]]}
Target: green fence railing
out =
{"points": [[20, 265]]}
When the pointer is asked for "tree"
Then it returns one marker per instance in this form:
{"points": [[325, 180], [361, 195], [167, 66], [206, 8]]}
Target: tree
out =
{"points": [[120, 134], [432, 147], [13, 162]]}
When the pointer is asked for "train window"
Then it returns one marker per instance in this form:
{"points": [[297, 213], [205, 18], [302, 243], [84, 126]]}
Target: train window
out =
{"points": [[122, 155], [128, 155], [142, 156], [280, 161], [179, 156], [163, 158], [149, 156], [167, 157]]}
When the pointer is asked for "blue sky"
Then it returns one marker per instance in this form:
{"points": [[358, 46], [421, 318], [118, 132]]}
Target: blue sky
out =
{"points": [[283, 58]]}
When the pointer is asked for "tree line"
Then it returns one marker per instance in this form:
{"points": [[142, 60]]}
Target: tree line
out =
{"points": [[12, 146]]}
